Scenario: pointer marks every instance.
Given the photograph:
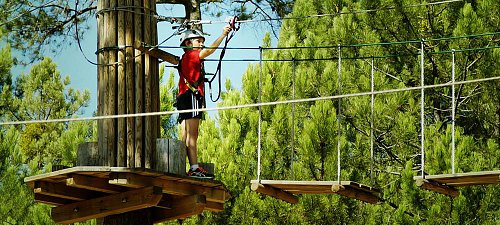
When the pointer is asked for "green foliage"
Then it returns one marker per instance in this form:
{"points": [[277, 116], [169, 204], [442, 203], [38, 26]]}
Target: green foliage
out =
{"points": [[396, 117], [33, 25], [168, 92], [32, 148], [231, 140]]}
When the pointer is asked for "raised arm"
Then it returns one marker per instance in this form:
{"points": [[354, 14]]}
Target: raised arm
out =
{"points": [[208, 51]]}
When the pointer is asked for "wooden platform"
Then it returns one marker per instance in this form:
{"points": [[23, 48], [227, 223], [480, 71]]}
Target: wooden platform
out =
{"points": [[87, 192], [447, 183], [286, 190]]}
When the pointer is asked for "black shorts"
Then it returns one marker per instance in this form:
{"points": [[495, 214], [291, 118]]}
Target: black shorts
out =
{"points": [[186, 101]]}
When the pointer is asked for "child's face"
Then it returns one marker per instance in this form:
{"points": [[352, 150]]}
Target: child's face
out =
{"points": [[196, 43]]}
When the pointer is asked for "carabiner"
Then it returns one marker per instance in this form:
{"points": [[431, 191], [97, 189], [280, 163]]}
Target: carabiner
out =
{"points": [[233, 22]]}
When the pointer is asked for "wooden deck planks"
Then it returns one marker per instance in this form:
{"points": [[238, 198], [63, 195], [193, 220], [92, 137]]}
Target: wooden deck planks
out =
{"points": [[104, 172], [79, 187]]}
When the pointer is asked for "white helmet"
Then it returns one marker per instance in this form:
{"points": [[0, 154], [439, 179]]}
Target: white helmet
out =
{"points": [[190, 34]]}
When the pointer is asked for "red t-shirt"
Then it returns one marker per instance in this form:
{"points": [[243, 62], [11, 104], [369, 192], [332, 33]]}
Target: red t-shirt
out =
{"points": [[191, 71]]}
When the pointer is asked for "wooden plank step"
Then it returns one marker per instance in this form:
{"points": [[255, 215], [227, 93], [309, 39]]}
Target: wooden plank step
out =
{"points": [[437, 187], [284, 189], [274, 192]]}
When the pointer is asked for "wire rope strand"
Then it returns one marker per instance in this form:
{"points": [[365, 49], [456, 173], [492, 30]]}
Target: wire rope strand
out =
{"points": [[422, 103], [352, 45], [303, 100], [293, 120], [260, 120], [372, 100], [351, 58], [326, 14], [453, 111], [339, 113]]}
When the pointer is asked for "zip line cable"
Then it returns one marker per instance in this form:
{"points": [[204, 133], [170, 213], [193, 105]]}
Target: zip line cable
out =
{"points": [[163, 113], [326, 15]]}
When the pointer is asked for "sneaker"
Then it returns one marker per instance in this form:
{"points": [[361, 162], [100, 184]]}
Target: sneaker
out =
{"points": [[200, 173]]}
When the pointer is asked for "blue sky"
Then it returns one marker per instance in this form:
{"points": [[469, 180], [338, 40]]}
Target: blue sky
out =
{"points": [[83, 75]]}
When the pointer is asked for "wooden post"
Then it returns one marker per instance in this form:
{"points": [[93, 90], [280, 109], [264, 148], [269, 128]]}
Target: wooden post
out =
{"points": [[170, 156], [139, 97], [125, 88], [130, 83], [127, 83]]}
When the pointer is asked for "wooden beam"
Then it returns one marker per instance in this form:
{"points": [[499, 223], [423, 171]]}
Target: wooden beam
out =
{"points": [[214, 207], [51, 200], [60, 190], [157, 53], [437, 187], [169, 186], [94, 184], [468, 180], [166, 202], [108, 205], [274, 192], [181, 208], [354, 193]]}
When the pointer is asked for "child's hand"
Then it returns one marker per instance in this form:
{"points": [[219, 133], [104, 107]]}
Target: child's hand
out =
{"points": [[226, 30]]}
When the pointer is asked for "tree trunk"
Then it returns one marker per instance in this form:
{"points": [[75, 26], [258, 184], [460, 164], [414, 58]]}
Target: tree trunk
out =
{"points": [[127, 83]]}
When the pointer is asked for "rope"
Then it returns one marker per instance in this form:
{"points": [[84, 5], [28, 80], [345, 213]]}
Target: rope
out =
{"points": [[422, 111], [260, 119], [80, 45], [353, 45], [218, 72], [303, 100], [339, 114]]}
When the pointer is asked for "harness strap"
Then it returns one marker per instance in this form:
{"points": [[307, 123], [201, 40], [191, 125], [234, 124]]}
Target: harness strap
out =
{"points": [[193, 87]]}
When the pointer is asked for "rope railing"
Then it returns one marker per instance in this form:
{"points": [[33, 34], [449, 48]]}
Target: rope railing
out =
{"points": [[352, 45], [303, 100]]}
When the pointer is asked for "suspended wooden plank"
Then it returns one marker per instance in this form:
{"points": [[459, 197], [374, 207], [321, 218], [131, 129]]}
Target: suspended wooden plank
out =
{"points": [[108, 205], [274, 192], [351, 191], [348, 189], [447, 183], [437, 187]]}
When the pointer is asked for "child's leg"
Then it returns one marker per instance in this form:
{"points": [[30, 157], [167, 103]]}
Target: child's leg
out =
{"points": [[190, 137]]}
